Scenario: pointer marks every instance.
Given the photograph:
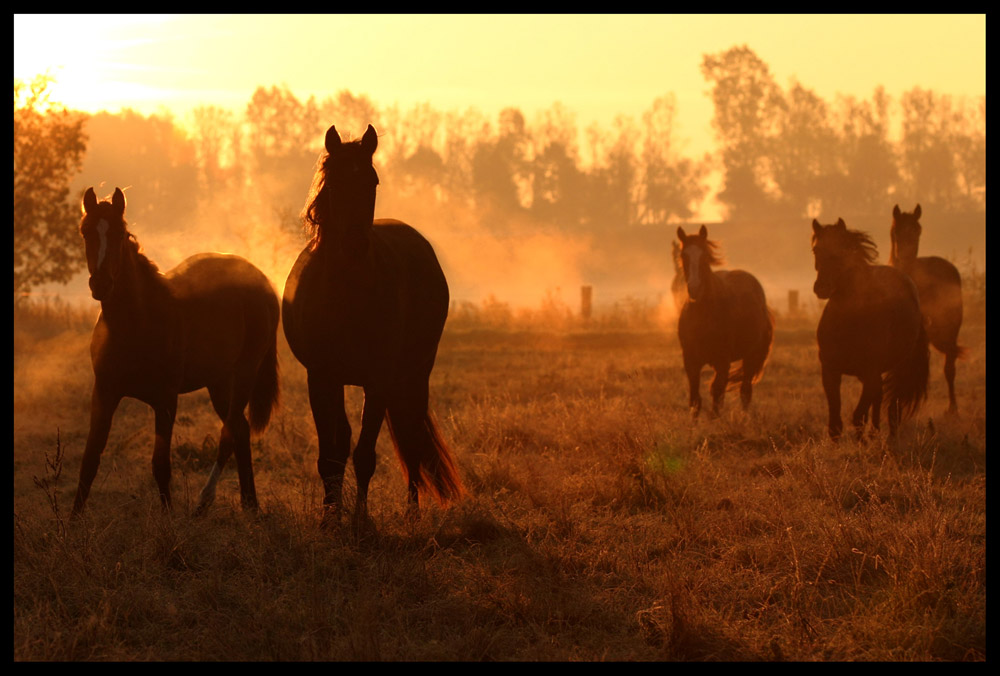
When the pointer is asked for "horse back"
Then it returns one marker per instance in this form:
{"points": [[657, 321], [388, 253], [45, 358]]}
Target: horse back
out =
{"points": [[736, 322], [371, 318], [229, 311], [872, 325], [747, 308]]}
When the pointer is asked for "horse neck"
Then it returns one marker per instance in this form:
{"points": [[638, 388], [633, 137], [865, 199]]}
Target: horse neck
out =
{"points": [[857, 280], [345, 243], [712, 289], [904, 263], [137, 289]]}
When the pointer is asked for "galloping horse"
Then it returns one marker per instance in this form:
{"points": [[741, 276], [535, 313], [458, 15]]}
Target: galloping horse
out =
{"points": [[365, 305], [871, 326], [210, 322], [939, 286], [725, 319]]}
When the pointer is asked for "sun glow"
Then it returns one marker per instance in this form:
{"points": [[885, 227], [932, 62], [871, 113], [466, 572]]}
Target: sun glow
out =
{"points": [[85, 59]]}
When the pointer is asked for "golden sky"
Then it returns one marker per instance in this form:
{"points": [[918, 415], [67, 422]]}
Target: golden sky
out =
{"points": [[597, 66]]}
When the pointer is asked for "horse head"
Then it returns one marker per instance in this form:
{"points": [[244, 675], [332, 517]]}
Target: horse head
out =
{"points": [[698, 255], [838, 252], [905, 235], [349, 183], [104, 236]]}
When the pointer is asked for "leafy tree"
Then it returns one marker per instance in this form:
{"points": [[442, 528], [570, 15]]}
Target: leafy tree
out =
{"points": [[970, 155], [216, 138], [556, 180], [610, 197], [802, 158], [500, 170], [866, 157], [284, 139], [669, 185], [928, 160], [153, 156], [747, 106], [49, 143]]}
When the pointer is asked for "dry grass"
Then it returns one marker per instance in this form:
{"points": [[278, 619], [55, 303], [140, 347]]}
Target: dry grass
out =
{"points": [[601, 522]]}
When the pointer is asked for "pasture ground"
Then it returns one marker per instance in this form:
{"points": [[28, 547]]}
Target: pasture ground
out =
{"points": [[601, 522]]}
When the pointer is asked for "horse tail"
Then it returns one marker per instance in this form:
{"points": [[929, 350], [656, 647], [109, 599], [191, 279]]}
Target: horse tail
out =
{"points": [[906, 383], [422, 453], [265, 394], [758, 357]]}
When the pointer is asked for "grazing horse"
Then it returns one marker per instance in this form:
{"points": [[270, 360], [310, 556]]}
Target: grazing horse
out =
{"points": [[725, 319], [210, 322], [871, 326], [939, 286], [365, 305]]}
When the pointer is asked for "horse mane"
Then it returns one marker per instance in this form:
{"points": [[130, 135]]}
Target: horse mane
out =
{"points": [[714, 252], [858, 244], [316, 209], [142, 260]]}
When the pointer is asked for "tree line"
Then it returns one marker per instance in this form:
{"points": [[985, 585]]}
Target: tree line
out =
{"points": [[783, 153]]}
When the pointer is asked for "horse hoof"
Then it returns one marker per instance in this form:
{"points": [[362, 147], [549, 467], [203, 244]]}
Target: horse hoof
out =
{"points": [[331, 518]]}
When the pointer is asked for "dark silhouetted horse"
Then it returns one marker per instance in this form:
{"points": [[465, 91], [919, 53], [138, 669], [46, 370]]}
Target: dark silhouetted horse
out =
{"points": [[365, 305], [725, 319], [210, 322], [871, 326], [939, 286]]}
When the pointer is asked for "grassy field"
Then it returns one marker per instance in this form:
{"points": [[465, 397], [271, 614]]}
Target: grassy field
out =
{"points": [[601, 522]]}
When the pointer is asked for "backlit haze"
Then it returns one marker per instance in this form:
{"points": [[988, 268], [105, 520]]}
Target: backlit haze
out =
{"points": [[596, 66]]}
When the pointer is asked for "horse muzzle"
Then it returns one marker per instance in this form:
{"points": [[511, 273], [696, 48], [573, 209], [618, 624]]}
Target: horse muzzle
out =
{"points": [[100, 287], [823, 290]]}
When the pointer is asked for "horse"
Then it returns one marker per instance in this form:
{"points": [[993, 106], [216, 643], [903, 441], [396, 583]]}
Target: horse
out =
{"points": [[724, 320], [871, 328], [210, 322], [365, 305], [939, 286]]}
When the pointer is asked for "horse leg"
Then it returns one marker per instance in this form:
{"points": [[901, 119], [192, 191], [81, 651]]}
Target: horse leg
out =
{"points": [[407, 412], [895, 414], [870, 385], [220, 402], [719, 384], [334, 436], [165, 411], [364, 453], [949, 376], [877, 403], [831, 385], [236, 425], [694, 386], [746, 386], [102, 409]]}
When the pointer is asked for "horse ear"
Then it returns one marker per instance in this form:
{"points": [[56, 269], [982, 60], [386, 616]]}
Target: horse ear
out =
{"points": [[370, 140], [703, 232], [332, 141], [89, 201], [895, 211], [680, 234], [816, 226], [916, 212], [118, 201], [841, 224]]}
